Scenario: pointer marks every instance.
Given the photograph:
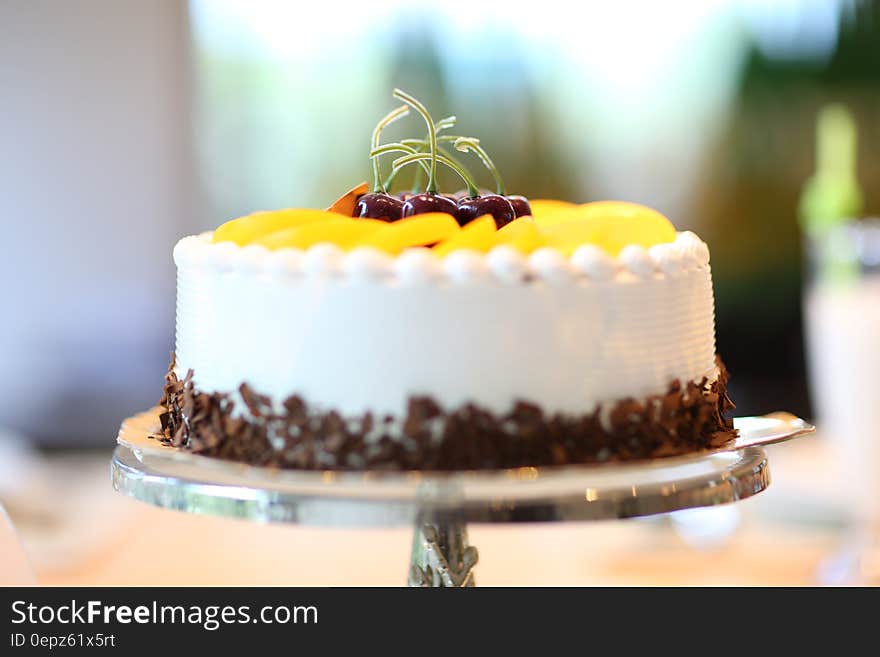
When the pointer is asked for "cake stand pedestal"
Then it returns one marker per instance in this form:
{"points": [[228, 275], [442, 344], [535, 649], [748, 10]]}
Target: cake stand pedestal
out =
{"points": [[440, 505]]}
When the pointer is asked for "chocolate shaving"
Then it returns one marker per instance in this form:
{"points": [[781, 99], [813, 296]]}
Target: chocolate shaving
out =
{"points": [[686, 418]]}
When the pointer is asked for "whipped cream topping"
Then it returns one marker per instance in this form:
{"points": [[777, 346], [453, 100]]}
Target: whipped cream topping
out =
{"points": [[595, 263], [366, 263], [465, 266], [636, 260], [507, 265], [419, 266]]}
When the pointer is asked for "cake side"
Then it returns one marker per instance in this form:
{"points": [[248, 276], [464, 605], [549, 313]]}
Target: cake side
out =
{"points": [[361, 332]]}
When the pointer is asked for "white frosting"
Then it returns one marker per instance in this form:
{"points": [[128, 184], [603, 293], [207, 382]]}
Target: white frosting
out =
{"points": [[667, 258], [367, 264], [222, 258], [693, 249], [251, 259], [637, 260], [466, 267], [507, 264], [417, 267], [363, 331], [285, 262], [589, 259], [323, 260], [550, 265]]}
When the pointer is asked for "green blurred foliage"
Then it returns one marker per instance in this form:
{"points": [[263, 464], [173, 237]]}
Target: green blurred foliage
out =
{"points": [[751, 184]]}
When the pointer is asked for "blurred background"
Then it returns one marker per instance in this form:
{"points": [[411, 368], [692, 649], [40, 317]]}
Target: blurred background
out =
{"points": [[126, 125]]}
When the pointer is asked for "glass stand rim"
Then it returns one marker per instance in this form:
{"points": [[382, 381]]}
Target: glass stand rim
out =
{"points": [[163, 476]]}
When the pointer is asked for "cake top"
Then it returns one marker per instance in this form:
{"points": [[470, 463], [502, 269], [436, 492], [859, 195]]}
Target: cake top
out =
{"points": [[469, 220]]}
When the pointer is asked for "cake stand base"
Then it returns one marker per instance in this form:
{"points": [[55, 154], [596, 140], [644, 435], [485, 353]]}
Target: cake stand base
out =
{"points": [[440, 504], [441, 556]]}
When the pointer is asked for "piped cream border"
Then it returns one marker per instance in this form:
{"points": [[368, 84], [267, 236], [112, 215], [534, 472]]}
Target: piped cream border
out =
{"points": [[502, 264]]}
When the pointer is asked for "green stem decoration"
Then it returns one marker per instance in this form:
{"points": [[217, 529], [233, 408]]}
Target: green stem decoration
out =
{"points": [[445, 124], [401, 162], [465, 144], [389, 118], [431, 187], [419, 145], [396, 147], [419, 172], [417, 179], [442, 124]]}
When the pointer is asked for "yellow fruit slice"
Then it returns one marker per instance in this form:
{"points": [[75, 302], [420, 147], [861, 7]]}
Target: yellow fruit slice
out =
{"points": [[522, 234], [478, 235], [567, 236], [420, 230], [516, 225], [344, 233], [551, 211], [245, 230], [610, 225]]}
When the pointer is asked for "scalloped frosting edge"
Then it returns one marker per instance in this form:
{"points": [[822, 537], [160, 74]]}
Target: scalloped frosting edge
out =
{"points": [[419, 265]]}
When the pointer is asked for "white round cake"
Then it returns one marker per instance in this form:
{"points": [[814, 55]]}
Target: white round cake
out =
{"points": [[324, 358], [430, 331], [364, 332]]}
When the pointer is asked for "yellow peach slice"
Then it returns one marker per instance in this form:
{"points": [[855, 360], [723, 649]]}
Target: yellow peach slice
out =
{"points": [[622, 223], [478, 235], [610, 225], [344, 233], [516, 223], [245, 230], [568, 235], [551, 211], [522, 234], [419, 230]]}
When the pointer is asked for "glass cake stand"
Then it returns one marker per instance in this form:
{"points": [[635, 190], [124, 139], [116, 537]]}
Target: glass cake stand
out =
{"points": [[439, 505]]}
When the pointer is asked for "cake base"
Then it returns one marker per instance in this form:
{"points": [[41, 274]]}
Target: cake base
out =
{"points": [[688, 417]]}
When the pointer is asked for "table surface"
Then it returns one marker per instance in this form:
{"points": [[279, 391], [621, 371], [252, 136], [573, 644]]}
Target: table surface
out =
{"points": [[94, 536]]}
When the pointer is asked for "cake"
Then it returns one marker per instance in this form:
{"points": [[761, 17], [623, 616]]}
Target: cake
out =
{"points": [[423, 331]]}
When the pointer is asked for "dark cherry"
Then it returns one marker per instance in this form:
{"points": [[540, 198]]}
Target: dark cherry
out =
{"points": [[377, 205], [462, 194], [498, 206], [405, 196], [424, 203], [520, 205]]}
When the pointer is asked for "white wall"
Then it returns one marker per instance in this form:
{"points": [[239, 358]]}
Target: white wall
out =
{"points": [[95, 186]]}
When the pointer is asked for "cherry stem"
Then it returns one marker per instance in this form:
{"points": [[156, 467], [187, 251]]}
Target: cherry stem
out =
{"points": [[400, 162], [396, 147], [417, 179], [465, 144], [387, 120], [445, 124], [416, 143], [431, 187], [442, 124]]}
